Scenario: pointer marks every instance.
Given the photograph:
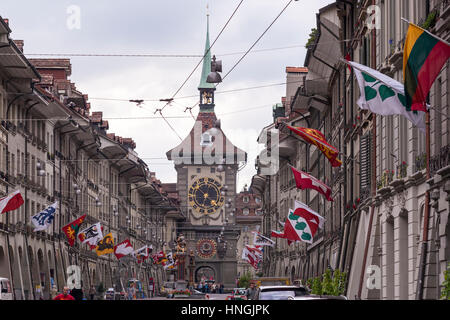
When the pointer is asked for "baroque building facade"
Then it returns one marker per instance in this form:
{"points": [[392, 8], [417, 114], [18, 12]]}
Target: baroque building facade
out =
{"points": [[55, 149], [374, 227]]}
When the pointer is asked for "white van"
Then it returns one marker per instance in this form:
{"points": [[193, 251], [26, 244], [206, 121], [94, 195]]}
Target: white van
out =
{"points": [[5, 289]]}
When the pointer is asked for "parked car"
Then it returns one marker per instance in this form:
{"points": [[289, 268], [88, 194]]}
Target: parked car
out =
{"points": [[317, 297], [110, 294], [5, 289], [238, 294], [282, 293]]}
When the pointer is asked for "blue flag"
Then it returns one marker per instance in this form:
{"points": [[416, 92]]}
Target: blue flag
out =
{"points": [[44, 218]]}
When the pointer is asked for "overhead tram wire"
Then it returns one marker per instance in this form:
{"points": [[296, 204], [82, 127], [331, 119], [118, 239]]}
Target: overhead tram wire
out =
{"points": [[170, 55], [209, 49], [257, 40], [185, 81]]}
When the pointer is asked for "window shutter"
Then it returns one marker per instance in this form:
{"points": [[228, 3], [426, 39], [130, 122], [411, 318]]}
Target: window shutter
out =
{"points": [[365, 165]]}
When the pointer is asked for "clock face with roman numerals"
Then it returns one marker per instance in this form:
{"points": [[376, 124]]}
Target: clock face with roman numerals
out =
{"points": [[204, 195]]}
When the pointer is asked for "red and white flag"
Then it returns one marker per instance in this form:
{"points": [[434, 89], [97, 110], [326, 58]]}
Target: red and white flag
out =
{"points": [[123, 249], [301, 224], [11, 202], [279, 234], [306, 181], [251, 256]]}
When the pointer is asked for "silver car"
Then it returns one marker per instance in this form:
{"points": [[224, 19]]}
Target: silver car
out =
{"points": [[281, 292]]}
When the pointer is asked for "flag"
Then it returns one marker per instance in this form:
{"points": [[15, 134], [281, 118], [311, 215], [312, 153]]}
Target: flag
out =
{"points": [[250, 256], [256, 250], [106, 245], [383, 95], [423, 58], [306, 181], [123, 249], [260, 240], [71, 230], [11, 202], [170, 262], [91, 235], [317, 138], [159, 257], [281, 234], [44, 218], [141, 254], [304, 222]]}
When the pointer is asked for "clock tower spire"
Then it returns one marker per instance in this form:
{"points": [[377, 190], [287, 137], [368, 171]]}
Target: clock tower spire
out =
{"points": [[206, 89]]}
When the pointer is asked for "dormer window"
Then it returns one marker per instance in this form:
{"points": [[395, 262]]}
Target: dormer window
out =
{"points": [[245, 212], [245, 199]]}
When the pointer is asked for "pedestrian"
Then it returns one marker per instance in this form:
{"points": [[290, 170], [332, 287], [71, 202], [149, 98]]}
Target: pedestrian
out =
{"points": [[131, 292], [65, 295], [200, 287], [222, 287], [77, 293], [251, 292], [92, 292]]}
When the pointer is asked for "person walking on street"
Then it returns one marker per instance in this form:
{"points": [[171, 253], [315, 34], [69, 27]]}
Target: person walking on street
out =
{"points": [[65, 295], [251, 292], [92, 293]]}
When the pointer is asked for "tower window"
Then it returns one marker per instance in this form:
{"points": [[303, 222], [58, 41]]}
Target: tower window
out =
{"points": [[199, 170], [206, 140]]}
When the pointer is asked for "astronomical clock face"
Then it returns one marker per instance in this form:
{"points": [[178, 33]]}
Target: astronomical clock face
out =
{"points": [[206, 248], [204, 195]]}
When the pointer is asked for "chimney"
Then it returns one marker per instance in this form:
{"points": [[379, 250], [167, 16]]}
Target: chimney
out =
{"points": [[6, 21], [19, 44]]}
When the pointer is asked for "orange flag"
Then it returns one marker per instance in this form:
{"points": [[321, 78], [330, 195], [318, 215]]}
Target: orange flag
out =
{"points": [[316, 138]]}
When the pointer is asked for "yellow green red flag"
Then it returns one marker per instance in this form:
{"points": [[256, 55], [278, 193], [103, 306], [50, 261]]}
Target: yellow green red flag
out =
{"points": [[423, 58]]}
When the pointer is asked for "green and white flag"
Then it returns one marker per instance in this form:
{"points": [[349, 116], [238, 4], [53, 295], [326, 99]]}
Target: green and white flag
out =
{"points": [[383, 95]]}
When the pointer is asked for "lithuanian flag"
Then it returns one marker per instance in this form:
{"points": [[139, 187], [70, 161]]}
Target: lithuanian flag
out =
{"points": [[423, 58]]}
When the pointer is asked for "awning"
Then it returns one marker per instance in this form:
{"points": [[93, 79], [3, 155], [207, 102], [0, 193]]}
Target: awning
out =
{"points": [[324, 54], [258, 184], [287, 147]]}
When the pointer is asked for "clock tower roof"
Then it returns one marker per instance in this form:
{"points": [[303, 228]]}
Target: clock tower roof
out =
{"points": [[206, 136]]}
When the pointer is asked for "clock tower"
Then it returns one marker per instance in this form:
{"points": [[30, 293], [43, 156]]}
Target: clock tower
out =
{"points": [[207, 164]]}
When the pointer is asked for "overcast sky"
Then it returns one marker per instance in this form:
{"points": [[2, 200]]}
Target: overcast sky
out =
{"points": [[171, 27]]}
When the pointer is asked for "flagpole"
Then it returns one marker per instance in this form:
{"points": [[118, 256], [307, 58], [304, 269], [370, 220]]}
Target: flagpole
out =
{"points": [[434, 36]]}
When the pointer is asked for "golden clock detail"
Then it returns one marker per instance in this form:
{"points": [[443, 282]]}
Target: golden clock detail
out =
{"points": [[204, 195], [206, 248]]}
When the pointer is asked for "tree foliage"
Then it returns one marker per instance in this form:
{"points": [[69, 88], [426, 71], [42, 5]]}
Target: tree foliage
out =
{"points": [[445, 294], [312, 37], [244, 280]]}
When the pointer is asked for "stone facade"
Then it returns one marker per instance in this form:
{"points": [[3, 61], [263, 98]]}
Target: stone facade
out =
{"points": [[374, 226], [54, 149]]}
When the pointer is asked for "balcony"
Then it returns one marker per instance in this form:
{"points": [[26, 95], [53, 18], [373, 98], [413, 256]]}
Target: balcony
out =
{"points": [[440, 160]]}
